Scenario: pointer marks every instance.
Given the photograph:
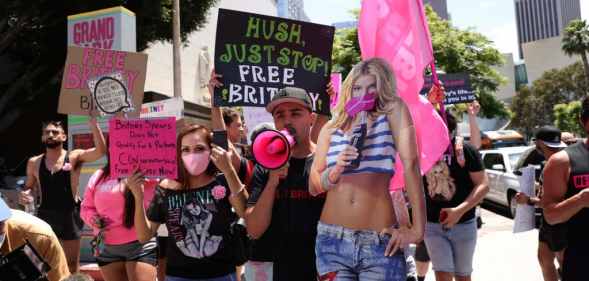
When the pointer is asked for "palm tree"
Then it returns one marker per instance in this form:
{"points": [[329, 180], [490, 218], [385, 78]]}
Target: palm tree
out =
{"points": [[576, 41]]}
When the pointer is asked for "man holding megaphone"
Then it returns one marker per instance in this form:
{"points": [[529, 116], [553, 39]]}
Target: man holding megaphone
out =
{"points": [[280, 201]]}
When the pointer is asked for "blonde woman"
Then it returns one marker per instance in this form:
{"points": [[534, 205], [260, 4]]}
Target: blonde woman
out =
{"points": [[354, 164]]}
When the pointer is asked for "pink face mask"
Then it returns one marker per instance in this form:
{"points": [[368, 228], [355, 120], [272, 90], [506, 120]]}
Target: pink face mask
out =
{"points": [[358, 104], [196, 163]]}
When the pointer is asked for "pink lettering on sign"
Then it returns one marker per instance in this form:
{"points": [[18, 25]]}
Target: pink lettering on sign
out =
{"points": [[581, 181], [145, 144], [95, 33]]}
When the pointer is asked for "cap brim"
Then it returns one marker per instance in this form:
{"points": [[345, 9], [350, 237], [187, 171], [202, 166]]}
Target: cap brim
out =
{"points": [[272, 105], [5, 211], [555, 144]]}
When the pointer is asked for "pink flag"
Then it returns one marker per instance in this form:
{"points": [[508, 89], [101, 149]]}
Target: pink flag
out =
{"points": [[397, 31], [336, 82]]}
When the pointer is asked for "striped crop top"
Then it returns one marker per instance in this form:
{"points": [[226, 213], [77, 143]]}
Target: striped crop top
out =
{"points": [[378, 151]]}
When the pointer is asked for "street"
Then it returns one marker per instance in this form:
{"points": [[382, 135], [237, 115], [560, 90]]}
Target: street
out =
{"points": [[501, 255]]}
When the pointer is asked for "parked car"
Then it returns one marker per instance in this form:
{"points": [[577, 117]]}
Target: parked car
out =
{"points": [[503, 182], [501, 138]]}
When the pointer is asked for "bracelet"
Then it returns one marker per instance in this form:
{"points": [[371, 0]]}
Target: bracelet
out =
{"points": [[234, 194], [325, 182]]}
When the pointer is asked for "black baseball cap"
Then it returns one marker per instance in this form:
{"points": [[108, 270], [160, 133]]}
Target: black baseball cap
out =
{"points": [[550, 136], [290, 94]]}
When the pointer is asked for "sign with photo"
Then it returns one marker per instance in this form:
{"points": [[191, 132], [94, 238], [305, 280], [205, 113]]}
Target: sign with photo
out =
{"points": [[259, 55]]}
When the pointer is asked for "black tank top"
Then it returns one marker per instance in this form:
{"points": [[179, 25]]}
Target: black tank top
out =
{"points": [[56, 188], [578, 232]]}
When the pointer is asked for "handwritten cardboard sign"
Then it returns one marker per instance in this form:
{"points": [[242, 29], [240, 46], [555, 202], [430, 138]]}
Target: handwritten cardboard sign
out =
{"points": [[259, 55], [83, 64], [457, 86], [147, 144]]}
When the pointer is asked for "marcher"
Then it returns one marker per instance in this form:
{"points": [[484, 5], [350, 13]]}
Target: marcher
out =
{"points": [[280, 205], [566, 200], [552, 238], [199, 210], [359, 211], [17, 227], [55, 174], [454, 187], [109, 207]]}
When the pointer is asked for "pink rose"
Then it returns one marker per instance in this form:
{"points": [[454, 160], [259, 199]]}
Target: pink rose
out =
{"points": [[219, 192], [67, 167]]}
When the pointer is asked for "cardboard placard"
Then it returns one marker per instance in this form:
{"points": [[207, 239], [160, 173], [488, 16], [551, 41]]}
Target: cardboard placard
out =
{"points": [[457, 85], [83, 64], [259, 55], [147, 144]]}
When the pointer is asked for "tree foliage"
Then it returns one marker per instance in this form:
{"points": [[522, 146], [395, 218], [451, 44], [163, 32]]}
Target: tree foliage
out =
{"points": [[575, 41], [566, 117], [33, 42], [535, 106], [455, 50]]}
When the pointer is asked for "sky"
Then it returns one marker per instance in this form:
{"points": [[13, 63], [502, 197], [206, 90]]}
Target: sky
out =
{"points": [[493, 18]]}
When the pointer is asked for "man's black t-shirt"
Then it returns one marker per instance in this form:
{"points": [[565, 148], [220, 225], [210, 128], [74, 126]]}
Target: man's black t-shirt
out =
{"points": [[198, 222], [463, 185], [290, 238]]}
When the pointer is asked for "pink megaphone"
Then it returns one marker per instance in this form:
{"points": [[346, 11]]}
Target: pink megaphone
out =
{"points": [[271, 148]]}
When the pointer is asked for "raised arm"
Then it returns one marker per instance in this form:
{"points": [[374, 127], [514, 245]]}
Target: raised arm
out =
{"points": [[99, 149], [475, 132], [557, 209], [216, 114]]}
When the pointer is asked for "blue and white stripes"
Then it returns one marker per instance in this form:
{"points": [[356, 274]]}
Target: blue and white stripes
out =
{"points": [[377, 154]]}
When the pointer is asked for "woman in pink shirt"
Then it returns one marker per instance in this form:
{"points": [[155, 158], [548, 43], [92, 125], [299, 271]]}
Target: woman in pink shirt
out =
{"points": [[108, 207]]}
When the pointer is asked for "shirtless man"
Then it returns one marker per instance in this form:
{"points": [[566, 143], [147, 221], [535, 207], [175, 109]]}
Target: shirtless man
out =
{"points": [[55, 175]]}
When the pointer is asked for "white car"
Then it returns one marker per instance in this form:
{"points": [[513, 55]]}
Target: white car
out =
{"points": [[503, 183]]}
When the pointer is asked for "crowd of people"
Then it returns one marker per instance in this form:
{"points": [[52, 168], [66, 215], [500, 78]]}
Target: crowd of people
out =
{"points": [[326, 214]]}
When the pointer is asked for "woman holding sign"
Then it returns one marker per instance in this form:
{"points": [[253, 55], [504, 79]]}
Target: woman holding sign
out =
{"points": [[109, 208], [354, 163], [200, 210]]}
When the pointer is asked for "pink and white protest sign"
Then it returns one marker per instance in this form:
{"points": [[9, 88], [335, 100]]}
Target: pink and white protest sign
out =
{"points": [[336, 82], [146, 144], [397, 31]]}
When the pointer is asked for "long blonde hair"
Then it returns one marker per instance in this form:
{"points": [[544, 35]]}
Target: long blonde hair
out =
{"points": [[385, 87]]}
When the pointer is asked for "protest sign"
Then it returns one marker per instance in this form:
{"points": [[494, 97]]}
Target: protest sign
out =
{"points": [[259, 55], [525, 218], [84, 64], [146, 144], [457, 86], [172, 107]]}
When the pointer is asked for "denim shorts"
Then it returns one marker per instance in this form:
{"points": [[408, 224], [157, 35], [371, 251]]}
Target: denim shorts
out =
{"points": [[258, 271], [451, 250], [356, 255]]}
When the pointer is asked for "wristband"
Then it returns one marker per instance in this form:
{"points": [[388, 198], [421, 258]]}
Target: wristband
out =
{"points": [[325, 182], [234, 194]]}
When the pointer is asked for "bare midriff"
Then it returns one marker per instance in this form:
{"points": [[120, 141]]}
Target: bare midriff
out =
{"points": [[360, 202]]}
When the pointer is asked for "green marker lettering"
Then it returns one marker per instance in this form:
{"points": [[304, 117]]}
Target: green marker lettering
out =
{"points": [[283, 58], [295, 34], [282, 33], [297, 56], [253, 26], [268, 33], [269, 49], [255, 54]]}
